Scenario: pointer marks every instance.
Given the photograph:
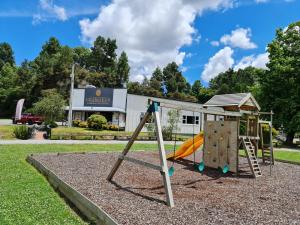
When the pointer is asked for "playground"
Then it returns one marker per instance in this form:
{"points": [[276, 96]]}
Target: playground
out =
{"points": [[137, 196], [205, 177]]}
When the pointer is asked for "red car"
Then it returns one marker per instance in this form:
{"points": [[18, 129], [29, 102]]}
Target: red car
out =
{"points": [[29, 118]]}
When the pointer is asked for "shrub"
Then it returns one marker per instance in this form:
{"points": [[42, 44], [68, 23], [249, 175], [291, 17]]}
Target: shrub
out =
{"points": [[51, 124], [23, 132], [113, 127], [96, 122], [266, 134], [167, 133], [83, 124], [76, 123]]}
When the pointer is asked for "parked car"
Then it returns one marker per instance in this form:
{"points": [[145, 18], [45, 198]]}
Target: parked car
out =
{"points": [[29, 118]]}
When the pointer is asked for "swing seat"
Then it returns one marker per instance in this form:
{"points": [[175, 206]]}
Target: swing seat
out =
{"points": [[171, 171], [201, 166], [225, 169]]}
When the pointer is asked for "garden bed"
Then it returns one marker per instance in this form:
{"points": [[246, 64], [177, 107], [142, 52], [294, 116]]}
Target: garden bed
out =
{"points": [[136, 195]]}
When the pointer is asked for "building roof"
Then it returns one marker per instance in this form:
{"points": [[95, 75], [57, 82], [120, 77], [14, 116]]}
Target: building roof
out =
{"points": [[238, 99]]}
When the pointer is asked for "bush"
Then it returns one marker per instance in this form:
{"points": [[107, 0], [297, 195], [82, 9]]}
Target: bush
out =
{"points": [[266, 134], [82, 124], [76, 123], [51, 124], [167, 133], [96, 122], [113, 127], [23, 132]]}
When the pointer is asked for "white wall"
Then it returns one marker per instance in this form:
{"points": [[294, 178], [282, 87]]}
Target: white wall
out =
{"points": [[138, 104]]}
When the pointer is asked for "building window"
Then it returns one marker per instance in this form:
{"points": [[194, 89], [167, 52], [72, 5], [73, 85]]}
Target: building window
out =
{"points": [[190, 119]]}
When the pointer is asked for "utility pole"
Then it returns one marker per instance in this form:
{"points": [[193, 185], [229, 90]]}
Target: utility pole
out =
{"points": [[70, 117]]}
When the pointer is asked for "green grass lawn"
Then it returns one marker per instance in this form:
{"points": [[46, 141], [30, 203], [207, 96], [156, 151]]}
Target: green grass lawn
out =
{"points": [[25, 195], [292, 156], [79, 130], [6, 132]]}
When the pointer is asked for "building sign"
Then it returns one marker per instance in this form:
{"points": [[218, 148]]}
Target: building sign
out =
{"points": [[98, 97]]}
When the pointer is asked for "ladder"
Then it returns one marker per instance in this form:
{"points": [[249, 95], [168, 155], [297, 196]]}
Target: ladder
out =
{"points": [[252, 160], [267, 155]]}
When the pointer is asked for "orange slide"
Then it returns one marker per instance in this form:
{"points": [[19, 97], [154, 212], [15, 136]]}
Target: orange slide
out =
{"points": [[187, 148]]}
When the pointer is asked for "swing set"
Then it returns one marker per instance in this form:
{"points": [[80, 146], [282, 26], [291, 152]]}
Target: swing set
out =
{"points": [[220, 144]]}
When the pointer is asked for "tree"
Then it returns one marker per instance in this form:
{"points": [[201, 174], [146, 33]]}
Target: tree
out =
{"points": [[81, 56], [8, 89], [174, 81], [172, 127], [6, 55], [236, 81], [122, 70], [196, 88], [156, 81], [103, 53], [51, 47], [280, 84], [51, 106]]}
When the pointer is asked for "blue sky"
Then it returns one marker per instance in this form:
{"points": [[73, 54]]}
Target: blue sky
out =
{"points": [[204, 37]]}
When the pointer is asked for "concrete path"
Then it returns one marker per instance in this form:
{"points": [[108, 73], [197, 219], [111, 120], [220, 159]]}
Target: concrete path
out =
{"points": [[6, 122], [67, 142]]}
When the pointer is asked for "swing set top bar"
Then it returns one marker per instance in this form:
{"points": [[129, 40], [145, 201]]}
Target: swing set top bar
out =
{"points": [[221, 112]]}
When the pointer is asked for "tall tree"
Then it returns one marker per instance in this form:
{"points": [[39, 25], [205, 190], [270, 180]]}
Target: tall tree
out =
{"points": [[196, 88], [174, 81], [236, 81], [280, 86], [6, 54], [103, 55], [122, 74], [156, 81]]}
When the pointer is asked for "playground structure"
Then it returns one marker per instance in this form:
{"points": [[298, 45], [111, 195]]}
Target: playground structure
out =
{"points": [[230, 121]]}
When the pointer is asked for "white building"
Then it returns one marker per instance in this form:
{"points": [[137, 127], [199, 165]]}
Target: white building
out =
{"points": [[126, 110]]}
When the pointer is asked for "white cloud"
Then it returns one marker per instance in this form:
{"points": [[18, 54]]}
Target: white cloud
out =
{"points": [[215, 43], [151, 32], [49, 10], [218, 63], [258, 61], [239, 38]]}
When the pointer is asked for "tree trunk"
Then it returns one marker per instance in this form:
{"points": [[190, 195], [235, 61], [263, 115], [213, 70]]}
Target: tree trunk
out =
{"points": [[290, 138]]}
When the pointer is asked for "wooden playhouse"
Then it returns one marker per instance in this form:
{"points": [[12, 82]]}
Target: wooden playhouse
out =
{"points": [[225, 135]]}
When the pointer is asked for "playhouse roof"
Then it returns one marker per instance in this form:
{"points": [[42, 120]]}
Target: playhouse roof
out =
{"points": [[238, 100]]}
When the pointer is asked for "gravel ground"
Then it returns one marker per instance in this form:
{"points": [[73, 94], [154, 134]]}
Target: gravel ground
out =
{"points": [[136, 195]]}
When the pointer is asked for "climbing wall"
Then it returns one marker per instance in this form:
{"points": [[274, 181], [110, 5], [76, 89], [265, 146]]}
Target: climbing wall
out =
{"points": [[220, 144]]}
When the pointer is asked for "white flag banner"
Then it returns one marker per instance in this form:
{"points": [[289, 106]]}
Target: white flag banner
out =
{"points": [[19, 109]]}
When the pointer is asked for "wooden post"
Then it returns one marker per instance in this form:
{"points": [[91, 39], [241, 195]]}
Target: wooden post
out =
{"points": [[205, 133], [247, 126], [163, 161], [238, 146]]}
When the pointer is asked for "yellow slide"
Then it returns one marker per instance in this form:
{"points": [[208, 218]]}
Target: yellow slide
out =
{"points": [[187, 147]]}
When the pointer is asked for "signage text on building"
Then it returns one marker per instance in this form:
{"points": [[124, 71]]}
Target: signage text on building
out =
{"points": [[98, 97]]}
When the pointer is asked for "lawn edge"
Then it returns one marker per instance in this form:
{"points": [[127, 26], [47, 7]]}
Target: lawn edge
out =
{"points": [[88, 208]]}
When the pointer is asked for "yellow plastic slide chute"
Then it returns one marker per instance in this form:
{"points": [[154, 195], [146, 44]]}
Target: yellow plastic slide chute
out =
{"points": [[187, 148]]}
